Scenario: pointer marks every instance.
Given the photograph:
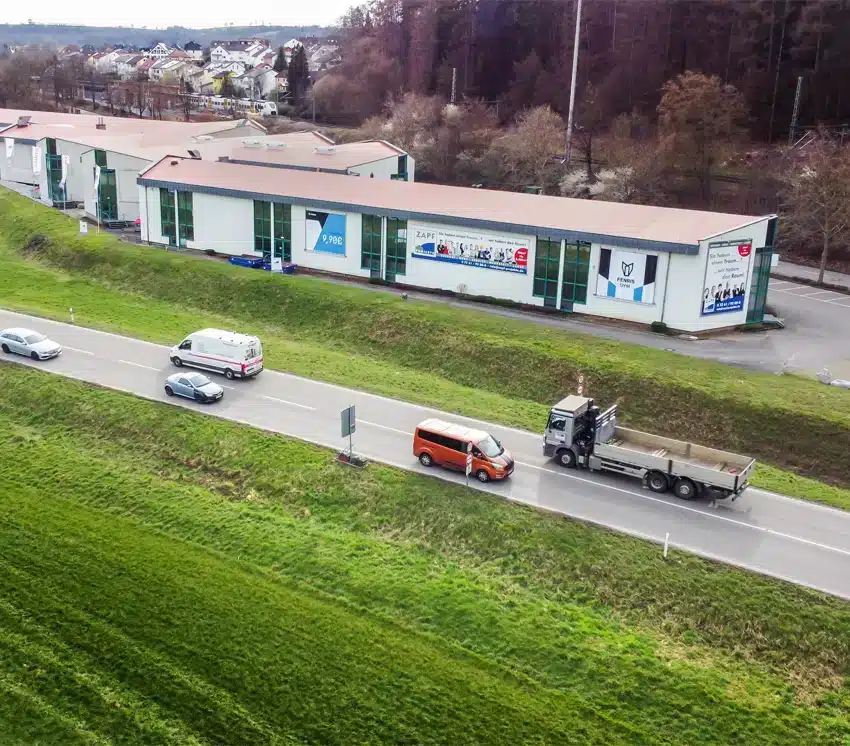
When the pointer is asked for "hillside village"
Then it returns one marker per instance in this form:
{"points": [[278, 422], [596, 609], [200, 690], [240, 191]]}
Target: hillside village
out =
{"points": [[246, 68]]}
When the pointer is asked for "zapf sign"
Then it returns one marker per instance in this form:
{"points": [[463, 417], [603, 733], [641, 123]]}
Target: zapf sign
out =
{"points": [[472, 249]]}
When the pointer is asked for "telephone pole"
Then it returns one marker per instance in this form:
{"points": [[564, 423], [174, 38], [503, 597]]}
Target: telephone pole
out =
{"points": [[573, 84]]}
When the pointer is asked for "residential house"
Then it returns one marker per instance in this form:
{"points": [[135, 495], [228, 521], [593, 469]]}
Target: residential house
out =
{"points": [[159, 51], [202, 79], [249, 51], [105, 62], [323, 57], [143, 69], [218, 81], [126, 65], [194, 50], [257, 83], [170, 69]]}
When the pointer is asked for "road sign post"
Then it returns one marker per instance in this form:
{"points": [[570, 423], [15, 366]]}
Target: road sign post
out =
{"points": [[468, 462], [581, 384], [349, 425]]}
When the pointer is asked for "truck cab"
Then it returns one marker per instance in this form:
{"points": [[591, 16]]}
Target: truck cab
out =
{"points": [[572, 429]]}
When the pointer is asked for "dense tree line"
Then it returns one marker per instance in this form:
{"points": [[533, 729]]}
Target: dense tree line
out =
{"points": [[519, 52]]}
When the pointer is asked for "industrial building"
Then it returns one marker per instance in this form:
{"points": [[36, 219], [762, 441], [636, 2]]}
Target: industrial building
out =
{"points": [[93, 162], [690, 270]]}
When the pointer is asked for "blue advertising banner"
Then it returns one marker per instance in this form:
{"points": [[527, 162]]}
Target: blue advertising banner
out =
{"points": [[325, 232], [726, 274]]}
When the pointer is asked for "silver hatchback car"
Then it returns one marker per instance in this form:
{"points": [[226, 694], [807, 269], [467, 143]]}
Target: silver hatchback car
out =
{"points": [[28, 342]]}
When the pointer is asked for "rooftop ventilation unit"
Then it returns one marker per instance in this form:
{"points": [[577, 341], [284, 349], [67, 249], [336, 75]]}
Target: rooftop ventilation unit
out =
{"points": [[252, 143], [202, 138], [326, 149], [195, 154], [100, 124], [23, 121], [276, 145]]}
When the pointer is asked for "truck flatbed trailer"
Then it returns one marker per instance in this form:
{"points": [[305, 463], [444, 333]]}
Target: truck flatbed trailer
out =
{"points": [[577, 434]]}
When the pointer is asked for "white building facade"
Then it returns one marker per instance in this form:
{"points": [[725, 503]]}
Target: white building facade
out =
{"points": [[716, 281]]}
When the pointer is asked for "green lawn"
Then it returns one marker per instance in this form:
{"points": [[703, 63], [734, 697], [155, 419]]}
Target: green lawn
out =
{"points": [[172, 578], [496, 369]]}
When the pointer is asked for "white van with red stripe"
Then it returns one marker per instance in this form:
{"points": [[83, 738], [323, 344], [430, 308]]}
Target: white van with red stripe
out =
{"points": [[235, 355]]}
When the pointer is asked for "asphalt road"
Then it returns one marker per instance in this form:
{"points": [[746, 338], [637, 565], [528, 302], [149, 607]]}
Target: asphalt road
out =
{"points": [[767, 533]]}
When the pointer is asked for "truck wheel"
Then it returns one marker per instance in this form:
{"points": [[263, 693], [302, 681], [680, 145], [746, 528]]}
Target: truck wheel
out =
{"points": [[425, 459], [177, 361], [657, 482], [685, 489], [483, 476], [228, 374], [567, 459]]}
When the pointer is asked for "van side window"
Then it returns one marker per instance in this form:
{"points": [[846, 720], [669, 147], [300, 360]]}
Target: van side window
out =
{"points": [[443, 440], [476, 452], [186, 345]]}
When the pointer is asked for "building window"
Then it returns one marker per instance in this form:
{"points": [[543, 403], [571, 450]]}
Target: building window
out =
{"points": [[402, 169], [283, 231], [396, 247], [262, 227], [185, 217], [54, 171], [167, 216], [546, 262], [100, 158], [576, 271], [107, 195], [370, 246]]}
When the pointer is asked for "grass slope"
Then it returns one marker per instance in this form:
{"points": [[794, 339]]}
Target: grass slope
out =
{"points": [[502, 370], [173, 578]]}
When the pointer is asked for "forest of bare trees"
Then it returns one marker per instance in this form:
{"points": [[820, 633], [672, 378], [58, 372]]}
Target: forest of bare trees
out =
{"points": [[519, 52]]}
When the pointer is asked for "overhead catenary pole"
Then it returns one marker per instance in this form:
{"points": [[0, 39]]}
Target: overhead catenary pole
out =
{"points": [[573, 83], [454, 83], [792, 130]]}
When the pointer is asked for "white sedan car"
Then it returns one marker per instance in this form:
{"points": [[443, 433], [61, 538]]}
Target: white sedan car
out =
{"points": [[28, 342]]}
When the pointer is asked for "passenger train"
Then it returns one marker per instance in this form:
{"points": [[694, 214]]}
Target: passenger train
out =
{"points": [[239, 105]]}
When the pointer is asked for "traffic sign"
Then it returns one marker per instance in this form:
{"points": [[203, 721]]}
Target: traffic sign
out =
{"points": [[348, 421], [468, 459], [581, 384]]}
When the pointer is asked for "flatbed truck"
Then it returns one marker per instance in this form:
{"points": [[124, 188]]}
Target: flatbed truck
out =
{"points": [[579, 435]]}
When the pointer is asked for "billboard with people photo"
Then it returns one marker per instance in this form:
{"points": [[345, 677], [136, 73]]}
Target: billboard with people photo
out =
{"points": [[726, 274], [470, 248]]}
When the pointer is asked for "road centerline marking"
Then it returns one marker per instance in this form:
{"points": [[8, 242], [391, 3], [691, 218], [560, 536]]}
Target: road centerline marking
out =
{"points": [[137, 365], [290, 403]]}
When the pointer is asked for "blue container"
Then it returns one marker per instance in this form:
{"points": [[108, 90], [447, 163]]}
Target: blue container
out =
{"points": [[252, 262]]}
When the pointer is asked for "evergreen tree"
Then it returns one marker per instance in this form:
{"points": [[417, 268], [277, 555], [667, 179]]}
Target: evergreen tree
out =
{"points": [[280, 61], [298, 74]]}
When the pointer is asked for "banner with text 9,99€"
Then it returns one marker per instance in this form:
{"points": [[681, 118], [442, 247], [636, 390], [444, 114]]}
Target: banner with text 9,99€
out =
{"points": [[325, 232]]}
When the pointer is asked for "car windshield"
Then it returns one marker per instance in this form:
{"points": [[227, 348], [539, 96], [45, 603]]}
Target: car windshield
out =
{"points": [[490, 446], [34, 338], [197, 380]]}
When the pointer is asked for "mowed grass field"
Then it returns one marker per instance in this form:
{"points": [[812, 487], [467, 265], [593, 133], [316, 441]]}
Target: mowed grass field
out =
{"points": [[170, 578], [474, 364]]}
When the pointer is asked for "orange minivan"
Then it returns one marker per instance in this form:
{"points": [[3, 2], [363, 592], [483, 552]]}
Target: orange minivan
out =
{"points": [[446, 444]]}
